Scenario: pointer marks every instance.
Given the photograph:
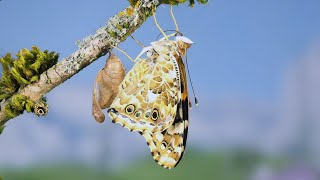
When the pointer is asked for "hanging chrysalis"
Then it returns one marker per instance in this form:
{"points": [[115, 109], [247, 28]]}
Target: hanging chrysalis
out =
{"points": [[106, 85]]}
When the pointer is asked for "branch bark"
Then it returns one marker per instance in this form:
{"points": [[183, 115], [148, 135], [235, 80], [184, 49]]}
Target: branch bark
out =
{"points": [[116, 30]]}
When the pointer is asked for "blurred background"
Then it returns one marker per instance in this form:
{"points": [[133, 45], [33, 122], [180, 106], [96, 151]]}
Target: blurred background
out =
{"points": [[255, 67]]}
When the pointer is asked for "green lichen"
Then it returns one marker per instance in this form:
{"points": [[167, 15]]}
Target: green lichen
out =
{"points": [[1, 130], [126, 25], [18, 72], [25, 69], [19, 103], [10, 112], [133, 2], [112, 34], [191, 2], [176, 2], [119, 27], [172, 2]]}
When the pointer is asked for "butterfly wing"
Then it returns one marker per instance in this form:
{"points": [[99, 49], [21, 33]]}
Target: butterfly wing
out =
{"points": [[148, 96], [167, 147]]}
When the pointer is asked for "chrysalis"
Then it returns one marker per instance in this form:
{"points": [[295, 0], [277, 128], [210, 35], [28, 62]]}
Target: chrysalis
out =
{"points": [[106, 85]]}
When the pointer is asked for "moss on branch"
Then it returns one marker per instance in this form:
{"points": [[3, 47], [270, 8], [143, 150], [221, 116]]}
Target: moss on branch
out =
{"points": [[28, 78], [19, 72], [171, 2], [23, 70]]}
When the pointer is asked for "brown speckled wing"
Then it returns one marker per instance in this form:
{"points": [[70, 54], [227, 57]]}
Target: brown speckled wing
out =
{"points": [[148, 96], [153, 100], [167, 147]]}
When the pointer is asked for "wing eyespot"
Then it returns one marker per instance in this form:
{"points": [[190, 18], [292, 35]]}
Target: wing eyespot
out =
{"points": [[130, 109], [155, 114], [147, 114], [138, 114]]}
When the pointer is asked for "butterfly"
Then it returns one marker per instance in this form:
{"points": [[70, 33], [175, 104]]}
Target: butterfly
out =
{"points": [[106, 85], [153, 100]]}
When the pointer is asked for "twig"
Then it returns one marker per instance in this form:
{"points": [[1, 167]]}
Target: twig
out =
{"points": [[116, 30]]}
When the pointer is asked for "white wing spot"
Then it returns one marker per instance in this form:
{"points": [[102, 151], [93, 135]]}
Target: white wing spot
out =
{"points": [[162, 147], [178, 150], [159, 136], [151, 96], [167, 160]]}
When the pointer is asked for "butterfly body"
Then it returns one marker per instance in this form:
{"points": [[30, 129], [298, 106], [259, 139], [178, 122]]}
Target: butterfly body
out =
{"points": [[153, 100]]}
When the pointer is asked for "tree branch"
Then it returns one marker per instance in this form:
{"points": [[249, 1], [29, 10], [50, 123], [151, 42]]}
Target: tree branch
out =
{"points": [[116, 30]]}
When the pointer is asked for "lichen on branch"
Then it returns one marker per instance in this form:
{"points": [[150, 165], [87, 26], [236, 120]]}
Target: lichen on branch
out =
{"points": [[116, 30], [19, 72], [171, 2], [25, 83], [24, 70]]}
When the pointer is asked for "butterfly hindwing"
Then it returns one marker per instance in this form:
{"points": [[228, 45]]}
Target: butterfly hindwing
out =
{"points": [[167, 147]]}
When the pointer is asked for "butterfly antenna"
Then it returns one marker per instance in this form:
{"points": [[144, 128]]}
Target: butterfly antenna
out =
{"points": [[137, 41], [195, 97]]}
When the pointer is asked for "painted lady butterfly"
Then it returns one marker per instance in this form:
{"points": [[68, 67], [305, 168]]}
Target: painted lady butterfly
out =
{"points": [[153, 100]]}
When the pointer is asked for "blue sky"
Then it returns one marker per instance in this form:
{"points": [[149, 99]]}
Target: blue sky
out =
{"points": [[242, 52], [242, 47]]}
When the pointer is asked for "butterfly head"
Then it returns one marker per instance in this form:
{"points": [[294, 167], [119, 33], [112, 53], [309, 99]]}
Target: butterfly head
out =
{"points": [[162, 46], [148, 50], [183, 44]]}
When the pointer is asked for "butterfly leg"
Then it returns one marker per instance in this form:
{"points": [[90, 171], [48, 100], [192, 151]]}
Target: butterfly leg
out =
{"points": [[139, 55], [175, 23], [137, 41], [143, 51], [155, 20], [174, 19], [123, 53], [131, 59]]}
